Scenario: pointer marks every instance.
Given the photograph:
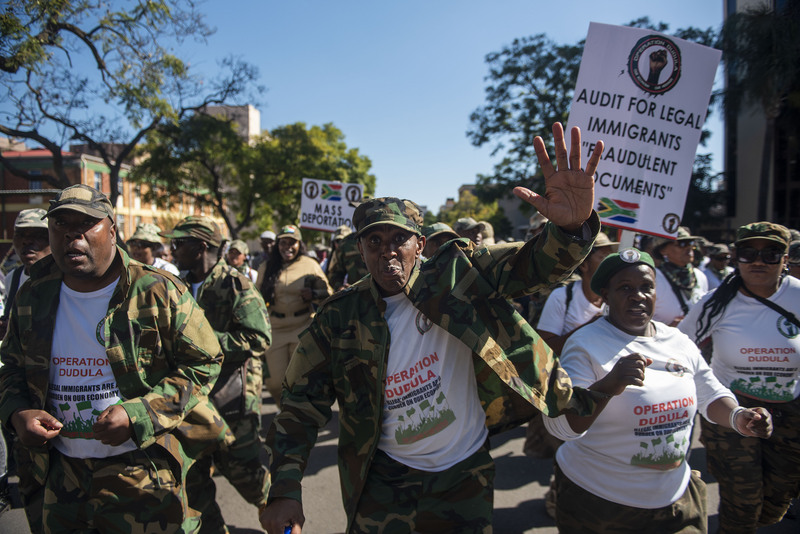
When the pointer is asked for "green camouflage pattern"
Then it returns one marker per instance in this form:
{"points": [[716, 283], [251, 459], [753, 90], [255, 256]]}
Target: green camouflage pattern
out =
{"points": [[146, 232], [31, 218], [764, 230], [83, 199], [579, 511], [758, 478], [346, 262], [387, 210], [145, 489], [341, 357], [400, 499], [238, 316], [197, 227], [161, 349]]}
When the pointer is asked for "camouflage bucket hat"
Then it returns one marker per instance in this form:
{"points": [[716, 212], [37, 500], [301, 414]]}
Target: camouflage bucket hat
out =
{"points": [[240, 245], [613, 263], [202, 228], [31, 219], [718, 249], [148, 232], [439, 228], [83, 199], [683, 234], [603, 241], [292, 231], [764, 230], [387, 210]]}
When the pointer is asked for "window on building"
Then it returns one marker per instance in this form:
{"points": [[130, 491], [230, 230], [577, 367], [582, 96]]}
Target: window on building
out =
{"points": [[98, 180]]}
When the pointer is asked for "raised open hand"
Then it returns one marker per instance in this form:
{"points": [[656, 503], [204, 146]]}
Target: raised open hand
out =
{"points": [[569, 190]]}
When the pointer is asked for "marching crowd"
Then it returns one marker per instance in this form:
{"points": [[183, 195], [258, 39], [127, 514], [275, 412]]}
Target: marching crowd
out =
{"points": [[131, 371]]}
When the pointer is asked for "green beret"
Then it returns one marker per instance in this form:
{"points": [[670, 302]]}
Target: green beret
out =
{"points": [[614, 263]]}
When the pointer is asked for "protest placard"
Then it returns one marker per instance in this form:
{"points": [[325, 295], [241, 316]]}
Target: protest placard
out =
{"points": [[326, 205], [645, 95]]}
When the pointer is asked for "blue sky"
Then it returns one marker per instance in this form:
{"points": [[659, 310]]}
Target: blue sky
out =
{"points": [[400, 79]]}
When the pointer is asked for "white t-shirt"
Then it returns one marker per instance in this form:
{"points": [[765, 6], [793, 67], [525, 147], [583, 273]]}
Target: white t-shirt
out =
{"points": [[432, 417], [711, 276], [82, 384], [559, 321], [756, 350], [668, 307], [161, 263], [634, 453]]}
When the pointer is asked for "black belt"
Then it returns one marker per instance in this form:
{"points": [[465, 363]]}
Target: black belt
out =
{"points": [[280, 315]]}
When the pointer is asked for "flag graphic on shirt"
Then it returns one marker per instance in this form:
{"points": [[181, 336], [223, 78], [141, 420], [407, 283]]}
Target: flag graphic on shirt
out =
{"points": [[429, 419]]}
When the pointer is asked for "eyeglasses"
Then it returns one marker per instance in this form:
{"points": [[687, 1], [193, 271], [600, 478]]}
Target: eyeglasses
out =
{"points": [[770, 255]]}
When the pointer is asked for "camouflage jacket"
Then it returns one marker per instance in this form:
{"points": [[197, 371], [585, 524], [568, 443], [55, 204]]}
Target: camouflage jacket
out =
{"points": [[236, 312], [465, 290], [160, 348], [346, 261]]}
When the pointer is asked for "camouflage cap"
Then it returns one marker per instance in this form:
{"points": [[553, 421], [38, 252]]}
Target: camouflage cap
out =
{"points": [[387, 210], [718, 249], [683, 234], [764, 230], [467, 223], [83, 199], [31, 218], [148, 232], [198, 227], [794, 252], [239, 245], [292, 231], [613, 263], [437, 229], [341, 232]]}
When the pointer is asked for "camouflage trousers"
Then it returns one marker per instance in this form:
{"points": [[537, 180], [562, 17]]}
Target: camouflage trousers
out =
{"points": [[31, 491], [757, 478], [133, 492], [241, 463], [398, 499], [579, 512]]}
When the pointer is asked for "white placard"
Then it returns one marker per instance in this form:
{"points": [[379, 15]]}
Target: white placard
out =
{"points": [[326, 206], [645, 95]]}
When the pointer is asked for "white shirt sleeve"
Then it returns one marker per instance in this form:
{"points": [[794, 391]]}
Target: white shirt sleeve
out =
{"points": [[578, 364], [554, 312]]}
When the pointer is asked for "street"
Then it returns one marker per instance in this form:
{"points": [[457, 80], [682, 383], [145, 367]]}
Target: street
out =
{"points": [[519, 492]]}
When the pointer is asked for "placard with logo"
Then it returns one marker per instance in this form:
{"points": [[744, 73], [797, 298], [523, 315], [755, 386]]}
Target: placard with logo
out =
{"points": [[645, 95], [326, 205]]}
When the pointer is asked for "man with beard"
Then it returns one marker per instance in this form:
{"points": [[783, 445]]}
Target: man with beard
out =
{"points": [[425, 359], [107, 365]]}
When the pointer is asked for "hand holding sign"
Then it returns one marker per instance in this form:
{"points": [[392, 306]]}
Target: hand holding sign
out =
{"points": [[569, 190]]}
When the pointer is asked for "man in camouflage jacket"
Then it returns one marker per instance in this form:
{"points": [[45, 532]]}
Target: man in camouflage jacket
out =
{"points": [[238, 315], [165, 361], [346, 265], [465, 290]]}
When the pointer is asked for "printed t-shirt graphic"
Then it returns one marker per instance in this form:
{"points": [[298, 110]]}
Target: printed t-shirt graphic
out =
{"points": [[82, 384], [432, 418]]}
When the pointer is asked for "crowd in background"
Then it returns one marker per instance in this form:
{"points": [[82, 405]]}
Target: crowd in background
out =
{"points": [[724, 296]]}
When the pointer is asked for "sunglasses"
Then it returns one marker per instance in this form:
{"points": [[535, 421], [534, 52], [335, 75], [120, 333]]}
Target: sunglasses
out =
{"points": [[722, 257], [684, 243], [770, 256]]}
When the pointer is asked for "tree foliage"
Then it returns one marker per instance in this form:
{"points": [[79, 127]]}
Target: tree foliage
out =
{"points": [[469, 205], [530, 85], [102, 75], [761, 52], [247, 184]]}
